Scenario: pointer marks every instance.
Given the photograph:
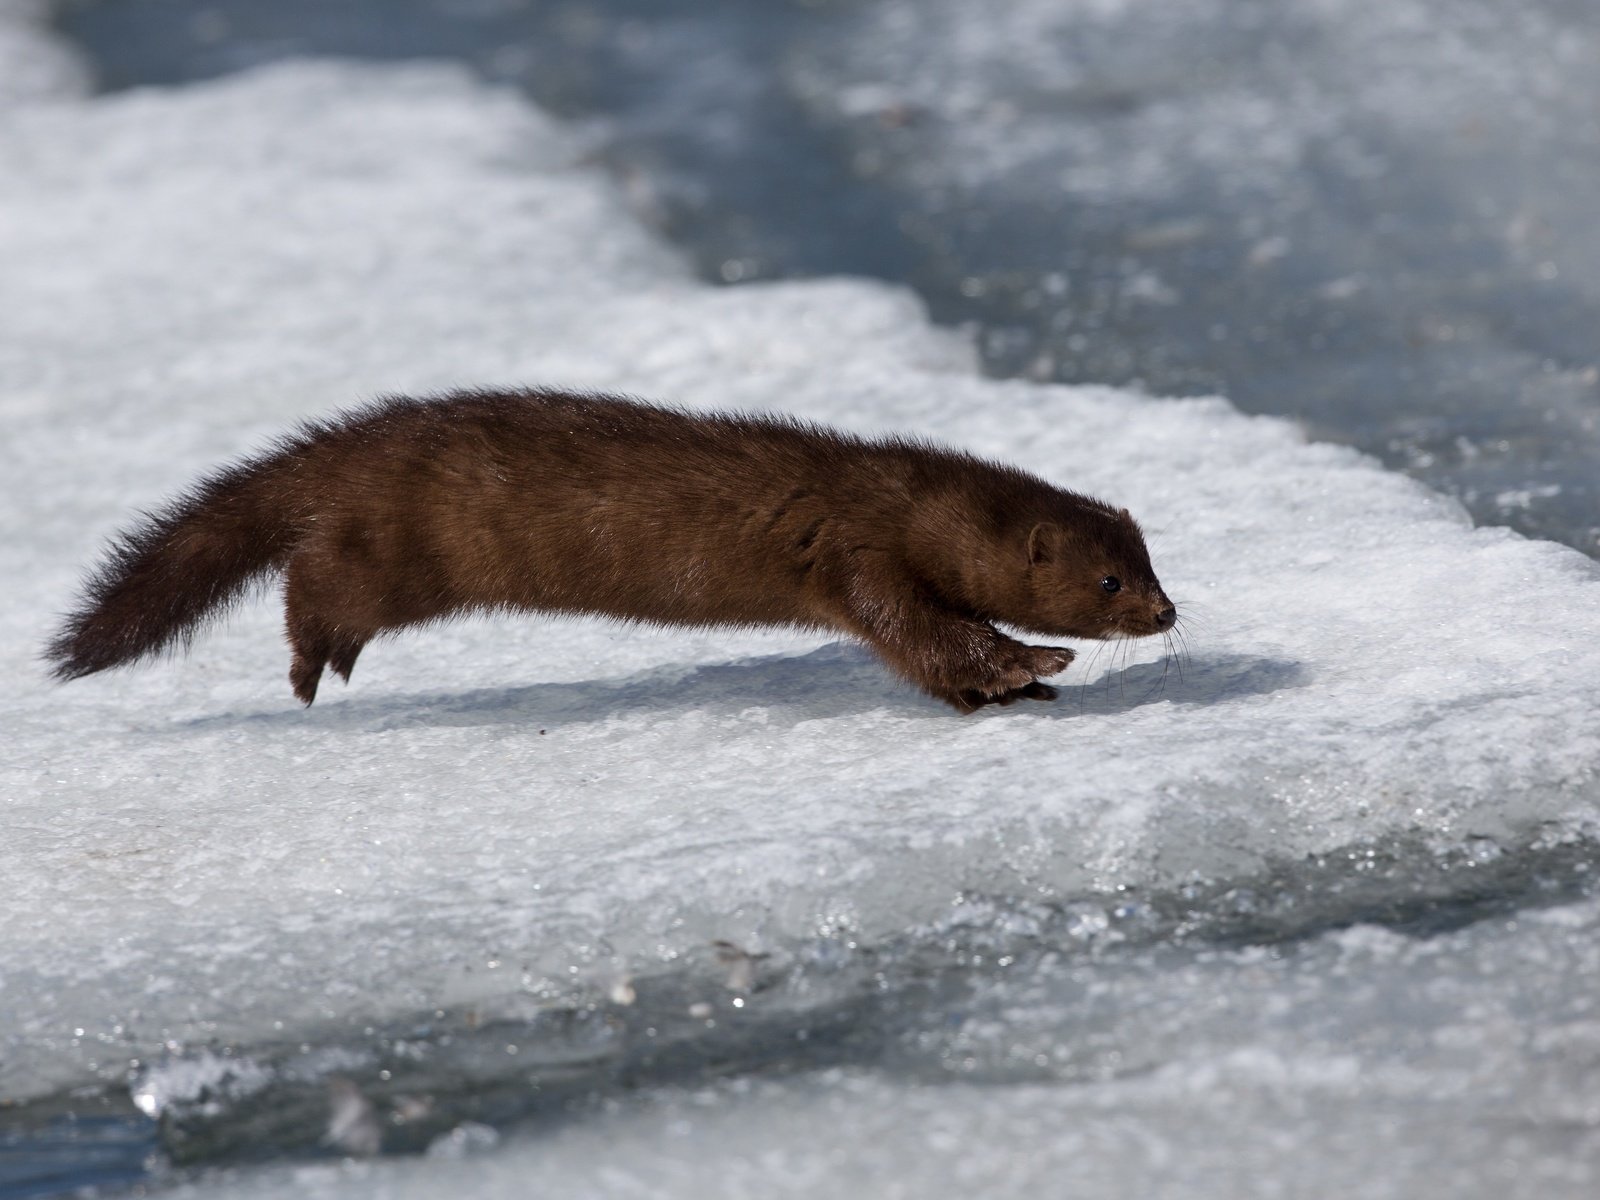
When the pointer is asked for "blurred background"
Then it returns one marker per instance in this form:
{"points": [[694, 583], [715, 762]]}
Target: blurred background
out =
{"points": [[1374, 216]]}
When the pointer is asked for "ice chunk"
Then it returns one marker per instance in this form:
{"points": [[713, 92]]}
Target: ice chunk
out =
{"points": [[33, 65]]}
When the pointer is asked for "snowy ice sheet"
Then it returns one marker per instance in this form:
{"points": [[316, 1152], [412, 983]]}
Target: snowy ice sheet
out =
{"points": [[190, 857], [1364, 1064]]}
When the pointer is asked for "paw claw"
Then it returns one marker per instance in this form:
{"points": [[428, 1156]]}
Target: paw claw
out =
{"points": [[971, 700]]}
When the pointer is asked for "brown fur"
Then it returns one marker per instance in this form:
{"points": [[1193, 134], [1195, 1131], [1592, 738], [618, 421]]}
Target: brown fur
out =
{"points": [[410, 511]]}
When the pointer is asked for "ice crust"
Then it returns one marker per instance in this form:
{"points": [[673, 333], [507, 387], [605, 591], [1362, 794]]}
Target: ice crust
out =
{"points": [[1363, 1064], [189, 856], [33, 64]]}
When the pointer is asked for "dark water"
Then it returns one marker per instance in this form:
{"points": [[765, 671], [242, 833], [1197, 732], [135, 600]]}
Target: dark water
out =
{"points": [[1368, 217], [48, 1152]]}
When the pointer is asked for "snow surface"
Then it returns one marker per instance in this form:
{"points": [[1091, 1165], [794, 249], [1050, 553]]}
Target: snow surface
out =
{"points": [[189, 856], [1247, 1073]]}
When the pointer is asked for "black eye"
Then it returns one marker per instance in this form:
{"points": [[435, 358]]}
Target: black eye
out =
{"points": [[1111, 583]]}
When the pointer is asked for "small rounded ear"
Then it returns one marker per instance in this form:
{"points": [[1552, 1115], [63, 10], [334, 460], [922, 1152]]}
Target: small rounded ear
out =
{"points": [[1043, 539]]}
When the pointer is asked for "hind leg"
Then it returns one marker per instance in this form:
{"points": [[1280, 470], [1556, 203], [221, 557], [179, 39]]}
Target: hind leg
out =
{"points": [[314, 648], [305, 671], [311, 643], [316, 637], [346, 649]]}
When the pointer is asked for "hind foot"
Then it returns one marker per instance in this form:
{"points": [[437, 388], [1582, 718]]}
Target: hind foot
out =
{"points": [[343, 659], [304, 675]]}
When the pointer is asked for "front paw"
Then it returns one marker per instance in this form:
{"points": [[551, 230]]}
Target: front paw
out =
{"points": [[1017, 664], [1030, 691], [1011, 675], [1040, 661], [971, 700]]}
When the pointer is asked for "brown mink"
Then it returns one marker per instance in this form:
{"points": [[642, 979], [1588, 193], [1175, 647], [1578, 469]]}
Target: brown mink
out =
{"points": [[412, 510]]}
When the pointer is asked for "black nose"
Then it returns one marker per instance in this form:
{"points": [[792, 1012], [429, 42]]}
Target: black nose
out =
{"points": [[1166, 617]]}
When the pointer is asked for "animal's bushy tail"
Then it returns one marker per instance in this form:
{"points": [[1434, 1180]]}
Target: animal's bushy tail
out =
{"points": [[162, 579]]}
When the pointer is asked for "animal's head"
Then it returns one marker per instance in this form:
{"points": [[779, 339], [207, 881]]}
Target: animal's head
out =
{"points": [[1088, 575]]}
